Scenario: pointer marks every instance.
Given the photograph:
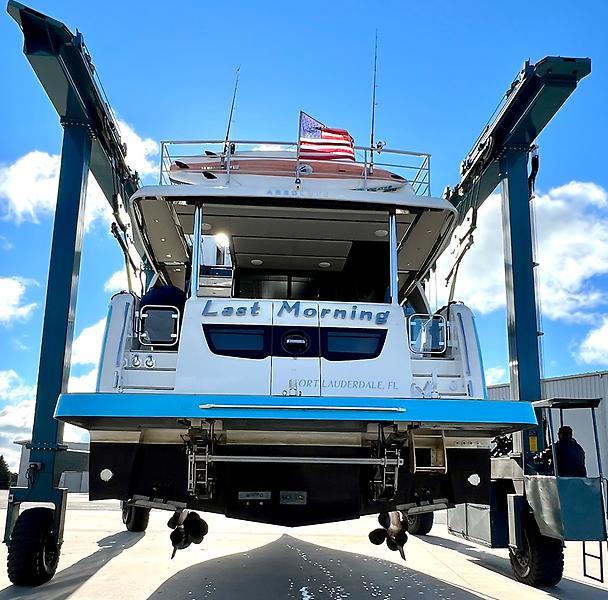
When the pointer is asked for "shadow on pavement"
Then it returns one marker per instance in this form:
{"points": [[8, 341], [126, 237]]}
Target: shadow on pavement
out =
{"points": [[291, 568], [566, 589], [67, 581]]}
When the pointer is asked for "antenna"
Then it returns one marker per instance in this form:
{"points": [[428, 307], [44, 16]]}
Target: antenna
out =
{"points": [[371, 141], [236, 85]]}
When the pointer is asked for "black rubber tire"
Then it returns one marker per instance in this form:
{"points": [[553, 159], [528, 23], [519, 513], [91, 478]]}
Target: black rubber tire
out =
{"points": [[420, 524], [135, 517], [541, 561], [33, 555]]}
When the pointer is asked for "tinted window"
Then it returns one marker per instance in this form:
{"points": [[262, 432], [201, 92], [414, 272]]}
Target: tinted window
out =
{"points": [[352, 344], [237, 340], [158, 326]]}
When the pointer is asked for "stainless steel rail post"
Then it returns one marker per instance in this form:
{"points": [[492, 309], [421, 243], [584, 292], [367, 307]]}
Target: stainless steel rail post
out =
{"points": [[393, 242], [197, 239]]}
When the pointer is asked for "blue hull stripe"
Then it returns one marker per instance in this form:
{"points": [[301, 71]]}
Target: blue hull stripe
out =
{"points": [[150, 405]]}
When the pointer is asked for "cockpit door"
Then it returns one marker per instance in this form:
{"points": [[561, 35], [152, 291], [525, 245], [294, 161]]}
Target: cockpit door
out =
{"points": [[296, 365]]}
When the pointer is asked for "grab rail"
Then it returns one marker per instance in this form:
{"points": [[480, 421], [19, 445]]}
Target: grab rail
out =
{"points": [[415, 167]]}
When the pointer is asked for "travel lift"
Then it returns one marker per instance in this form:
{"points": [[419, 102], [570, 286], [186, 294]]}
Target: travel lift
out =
{"points": [[515, 518]]}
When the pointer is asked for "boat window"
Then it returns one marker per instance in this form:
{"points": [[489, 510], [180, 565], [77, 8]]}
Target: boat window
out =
{"points": [[238, 340], [158, 325], [427, 333], [364, 278], [351, 344]]}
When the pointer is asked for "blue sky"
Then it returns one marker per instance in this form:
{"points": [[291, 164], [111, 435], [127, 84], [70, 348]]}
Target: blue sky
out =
{"points": [[443, 66]]}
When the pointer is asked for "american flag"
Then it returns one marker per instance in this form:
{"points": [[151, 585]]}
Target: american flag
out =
{"points": [[318, 142]]}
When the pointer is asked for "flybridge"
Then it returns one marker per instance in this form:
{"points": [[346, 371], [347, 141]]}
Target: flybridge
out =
{"points": [[295, 309]]}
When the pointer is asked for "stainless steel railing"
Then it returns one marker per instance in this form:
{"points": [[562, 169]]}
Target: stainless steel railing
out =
{"points": [[415, 167]]}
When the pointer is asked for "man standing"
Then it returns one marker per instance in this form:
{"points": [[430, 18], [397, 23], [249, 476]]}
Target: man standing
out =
{"points": [[569, 455]]}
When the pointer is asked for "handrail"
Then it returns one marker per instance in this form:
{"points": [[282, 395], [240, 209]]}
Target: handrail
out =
{"points": [[294, 144], [417, 170]]}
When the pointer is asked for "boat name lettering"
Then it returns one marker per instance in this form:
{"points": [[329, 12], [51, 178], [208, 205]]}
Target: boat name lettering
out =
{"points": [[229, 311], [380, 317], [294, 192], [295, 309]]}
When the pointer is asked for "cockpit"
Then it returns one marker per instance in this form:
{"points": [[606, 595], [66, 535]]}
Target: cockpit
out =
{"points": [[314, 250]]}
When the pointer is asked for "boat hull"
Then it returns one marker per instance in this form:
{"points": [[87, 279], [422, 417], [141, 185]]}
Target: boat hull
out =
{"points": [[134, 411], [289, 494], [309, 462]]}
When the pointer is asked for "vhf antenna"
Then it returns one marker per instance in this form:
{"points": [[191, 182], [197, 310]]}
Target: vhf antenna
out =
{"points": [[236, 86], [371, 141]]}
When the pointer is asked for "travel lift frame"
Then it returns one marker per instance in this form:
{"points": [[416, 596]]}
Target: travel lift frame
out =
{"points": [[91, 142]]}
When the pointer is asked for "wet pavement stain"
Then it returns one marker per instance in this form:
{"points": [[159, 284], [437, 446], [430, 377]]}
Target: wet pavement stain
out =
{"points": [[290, 569]]}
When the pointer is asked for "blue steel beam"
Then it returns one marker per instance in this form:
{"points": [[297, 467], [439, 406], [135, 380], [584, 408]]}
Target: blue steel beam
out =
{"points": [[531, 101], [90, 141], [67, 74], [522, 324], [58, 327], [500, 156]]}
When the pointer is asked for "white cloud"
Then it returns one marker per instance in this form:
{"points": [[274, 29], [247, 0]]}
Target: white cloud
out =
{"points": [[141, 152], [83, 383], [12, 304], [572, 240], [13, 388], [28, 190], [86, 348], [495, 375], [17, 417], [593, 349], [117, 282], [28, 187], [15, 424]]}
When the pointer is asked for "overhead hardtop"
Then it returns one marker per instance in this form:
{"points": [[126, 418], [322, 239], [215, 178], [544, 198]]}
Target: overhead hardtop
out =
{"points": [[297, 233]]}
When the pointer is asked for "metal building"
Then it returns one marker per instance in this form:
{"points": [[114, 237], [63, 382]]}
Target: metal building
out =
{"points": [[585, 385]]}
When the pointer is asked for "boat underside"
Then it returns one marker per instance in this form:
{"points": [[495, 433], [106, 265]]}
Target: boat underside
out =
{"points": [[290, 461]]}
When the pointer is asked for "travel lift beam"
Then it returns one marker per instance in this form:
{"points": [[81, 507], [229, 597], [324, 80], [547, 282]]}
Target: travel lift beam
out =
{"points": [[90, 142], [500, 156], [531, 510]]}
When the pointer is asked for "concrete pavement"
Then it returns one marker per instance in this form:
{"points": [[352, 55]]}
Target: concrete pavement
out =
{"points": [[263, 562]]}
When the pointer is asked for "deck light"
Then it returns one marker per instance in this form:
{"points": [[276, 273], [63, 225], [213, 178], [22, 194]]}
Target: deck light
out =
{"points": [[168, 255], [207, 226], [163, 239], [256, 262], [221, 239], [324, 264], [381, 233]]}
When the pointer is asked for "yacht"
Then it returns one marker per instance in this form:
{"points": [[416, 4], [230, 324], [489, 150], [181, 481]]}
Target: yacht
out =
{"points": [[281, 362]]}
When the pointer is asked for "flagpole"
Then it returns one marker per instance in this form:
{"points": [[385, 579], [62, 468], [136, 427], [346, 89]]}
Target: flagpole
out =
{"points": [[298, 180]]}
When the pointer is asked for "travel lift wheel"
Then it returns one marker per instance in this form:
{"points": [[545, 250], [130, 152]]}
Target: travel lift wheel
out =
{"points": [[540, 562], [420, 524], [33, 554], [135, 517]]}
